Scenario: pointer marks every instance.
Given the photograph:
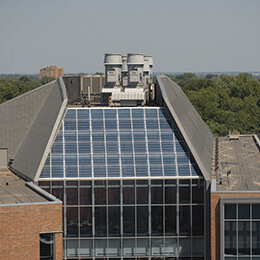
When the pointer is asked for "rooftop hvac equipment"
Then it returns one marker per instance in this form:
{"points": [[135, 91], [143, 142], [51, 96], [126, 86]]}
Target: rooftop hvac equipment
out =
{"points": [[148, 69], [113, 64], [124, 71], [135, 63]]}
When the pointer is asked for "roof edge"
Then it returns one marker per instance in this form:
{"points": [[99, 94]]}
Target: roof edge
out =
{"points": [[182, 130], [55, 127]]}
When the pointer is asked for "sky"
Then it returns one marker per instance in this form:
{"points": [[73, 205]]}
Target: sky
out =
{"points": [[181, 35]]}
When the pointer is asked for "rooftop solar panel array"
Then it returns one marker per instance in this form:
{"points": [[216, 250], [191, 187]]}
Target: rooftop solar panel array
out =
{"points": [[117, 142]]}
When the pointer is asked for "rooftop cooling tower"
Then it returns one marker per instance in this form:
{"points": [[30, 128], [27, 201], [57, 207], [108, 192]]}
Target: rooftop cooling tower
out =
{"points": [[113, 64]]}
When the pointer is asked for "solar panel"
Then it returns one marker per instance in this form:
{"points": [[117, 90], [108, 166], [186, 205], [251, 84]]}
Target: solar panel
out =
{"points": [[117, 142]]}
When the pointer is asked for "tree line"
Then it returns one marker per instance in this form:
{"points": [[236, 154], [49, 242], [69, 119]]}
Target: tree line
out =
{"points": [[226, 103], [12, 87]]}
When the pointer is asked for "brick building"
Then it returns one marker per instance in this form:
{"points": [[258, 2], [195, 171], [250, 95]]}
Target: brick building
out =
{"points": [[30, 221], [235, 199], [51, 71]]}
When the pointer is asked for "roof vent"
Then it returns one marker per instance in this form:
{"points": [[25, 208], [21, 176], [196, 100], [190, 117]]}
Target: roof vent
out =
{"points": [[233, 135]]}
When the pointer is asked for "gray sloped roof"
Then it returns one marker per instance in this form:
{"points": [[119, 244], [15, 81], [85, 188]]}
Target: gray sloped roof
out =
{"points": [[194, 130], [34, 150], [18, 115]]}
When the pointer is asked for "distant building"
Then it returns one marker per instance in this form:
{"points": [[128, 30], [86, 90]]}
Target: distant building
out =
{"points": [[51, 71]]}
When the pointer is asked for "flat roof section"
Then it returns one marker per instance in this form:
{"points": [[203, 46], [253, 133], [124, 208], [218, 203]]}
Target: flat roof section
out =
{"points": [[238, 167], [13, 190]]}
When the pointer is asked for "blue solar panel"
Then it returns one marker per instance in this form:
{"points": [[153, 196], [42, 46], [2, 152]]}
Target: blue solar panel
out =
{"points": [[70, 148], [83, 114], [125, 125], [111, 125], [97, 125], [125, 136], [98, 147], [110, 113], [141, 170], [138, 124], [83, 125], [71, 160], [126, 147], [137, 113], [140, 147], [141, 158], [85, 159], [127, 159], [112, 147], [128, 171], [84, 147], [113, 159], [57, 171], [57, 160], [97, 114], [114, 142], [139, 136], [70, 136], [156, 170], [71, 114], [151, 113], [123, 113], [170, 170], [113, 171], [152, 124], [85, 171], [57, 148], [99, 159], [71, 171], [97, 136], [99, 171], [83, 136], [111, 136]]}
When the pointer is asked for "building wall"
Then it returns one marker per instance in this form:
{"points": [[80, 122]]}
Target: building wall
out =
{"points": [[21, 225], [215, 218], [51, 71]]}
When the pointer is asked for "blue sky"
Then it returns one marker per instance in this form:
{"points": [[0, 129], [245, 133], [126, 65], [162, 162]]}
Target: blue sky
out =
{"points": [[182, 36]]}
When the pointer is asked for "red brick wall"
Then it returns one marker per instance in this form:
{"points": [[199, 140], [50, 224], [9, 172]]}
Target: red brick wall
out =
{"points": [[21, 225], [215, 219]]}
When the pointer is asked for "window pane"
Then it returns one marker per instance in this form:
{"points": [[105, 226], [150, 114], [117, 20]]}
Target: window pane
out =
{"points": [[230, 211], [185, 216], [142, 192], [86, 222], [114, 221], [243, 211], [244, 237], [113, 192], [157, 221], [128, 192], [46, 246], [256, 211], [129, 221], [100, 221], [230, 238], [72, 222], [85, 193], [198, 220], [170, 221], [100, 193], [142, 221], [157, 192]]}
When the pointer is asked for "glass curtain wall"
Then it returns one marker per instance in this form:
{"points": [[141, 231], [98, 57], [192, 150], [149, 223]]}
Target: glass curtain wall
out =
{"points": [[242, 231], [128, 184]]}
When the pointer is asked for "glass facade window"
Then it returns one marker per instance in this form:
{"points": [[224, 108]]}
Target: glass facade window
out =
{"points": [[128, 186], [241, 231], [47, 246]]}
